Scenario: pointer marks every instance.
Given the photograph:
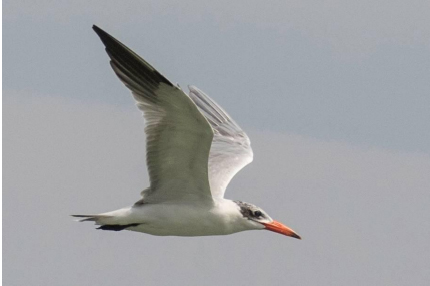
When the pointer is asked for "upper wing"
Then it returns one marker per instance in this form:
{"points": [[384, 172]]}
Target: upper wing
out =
{"points": [[231, 148], [178, 137]]}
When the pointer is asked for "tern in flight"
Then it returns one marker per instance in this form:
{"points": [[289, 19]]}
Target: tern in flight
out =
{"points": [[193, 150]]}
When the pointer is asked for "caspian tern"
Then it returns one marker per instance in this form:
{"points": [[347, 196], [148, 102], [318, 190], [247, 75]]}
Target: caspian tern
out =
{"points": [[193, 150]]}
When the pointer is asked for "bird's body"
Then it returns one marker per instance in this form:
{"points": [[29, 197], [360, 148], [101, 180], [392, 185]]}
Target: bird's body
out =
{"points": [[193, 150], [180, 218]]}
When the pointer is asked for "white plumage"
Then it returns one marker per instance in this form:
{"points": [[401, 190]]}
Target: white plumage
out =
{"points": [[193, 150]]}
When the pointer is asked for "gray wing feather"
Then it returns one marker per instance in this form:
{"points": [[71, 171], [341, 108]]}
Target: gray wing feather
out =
{"points": [[178, 137], [231, 147]]}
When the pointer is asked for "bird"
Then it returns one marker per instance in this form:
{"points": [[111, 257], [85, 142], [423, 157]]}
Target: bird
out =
{"points": [[193, 150]]}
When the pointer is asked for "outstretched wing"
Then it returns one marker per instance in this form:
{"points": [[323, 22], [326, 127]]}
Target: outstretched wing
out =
{"points": [[231, 148], [178, 137]]}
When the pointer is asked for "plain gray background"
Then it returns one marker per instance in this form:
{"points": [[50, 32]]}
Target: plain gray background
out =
{"points": [[335, 96]]}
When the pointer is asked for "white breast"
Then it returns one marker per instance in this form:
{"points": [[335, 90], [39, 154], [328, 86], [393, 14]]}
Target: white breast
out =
{"points": [[187, 219]]}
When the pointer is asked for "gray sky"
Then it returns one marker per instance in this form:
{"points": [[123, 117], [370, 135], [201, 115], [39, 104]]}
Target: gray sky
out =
{"points": [[334, 95]]}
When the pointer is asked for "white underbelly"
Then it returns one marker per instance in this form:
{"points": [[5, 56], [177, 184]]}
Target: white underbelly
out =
{"points": [[182, 220]]}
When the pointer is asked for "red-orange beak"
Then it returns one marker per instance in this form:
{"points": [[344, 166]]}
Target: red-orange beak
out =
{"points": [[280, 228]]}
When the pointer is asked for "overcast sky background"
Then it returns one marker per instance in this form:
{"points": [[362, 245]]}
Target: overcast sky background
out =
{"points": [[335, 96]]}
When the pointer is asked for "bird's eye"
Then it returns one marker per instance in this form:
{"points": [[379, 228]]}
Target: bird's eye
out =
{"points": [[257, 213]]}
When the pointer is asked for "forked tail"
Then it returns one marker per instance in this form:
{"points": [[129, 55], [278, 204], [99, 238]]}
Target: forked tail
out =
{"points": [[94, 218], [106, 222]]}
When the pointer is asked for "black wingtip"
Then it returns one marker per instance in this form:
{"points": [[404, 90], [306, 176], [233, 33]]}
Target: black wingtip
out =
{"points": [[128, 61], [117, 227], [98, 30], [104, 36]]}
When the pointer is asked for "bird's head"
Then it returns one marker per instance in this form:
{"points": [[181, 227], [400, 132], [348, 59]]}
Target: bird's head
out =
{"points": [[256, 218]]}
